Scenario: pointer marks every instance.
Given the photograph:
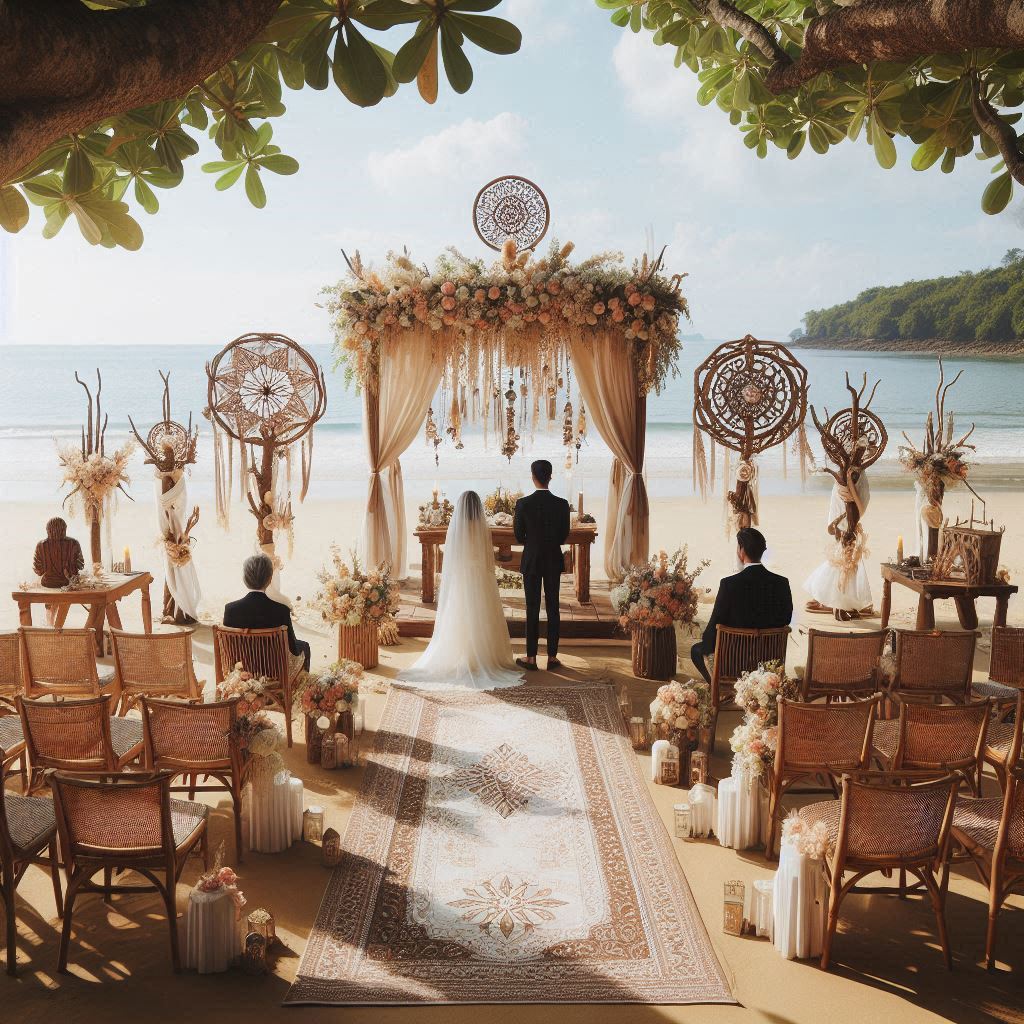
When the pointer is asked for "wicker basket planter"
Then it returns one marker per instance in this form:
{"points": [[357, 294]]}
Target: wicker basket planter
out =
{"points": [[654, 652], [359, 643]]}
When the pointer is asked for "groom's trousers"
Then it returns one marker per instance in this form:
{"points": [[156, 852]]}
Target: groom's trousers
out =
{"points": [[533, 583]]}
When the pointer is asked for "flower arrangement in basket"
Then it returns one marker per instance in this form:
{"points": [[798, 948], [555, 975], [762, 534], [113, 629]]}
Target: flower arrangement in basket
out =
{"points": [[501, 500], [659, 592], [222, 878], [757, 694], [681, 710], [253, 692], [349, 596], [330, 691]]}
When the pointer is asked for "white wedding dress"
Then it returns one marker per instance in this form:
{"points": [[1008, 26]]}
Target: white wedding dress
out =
{"points": [[470, 648], [826, 584]]}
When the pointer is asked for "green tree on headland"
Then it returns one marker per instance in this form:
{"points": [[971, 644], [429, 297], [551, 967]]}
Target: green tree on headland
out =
{"points": [[986, 306]]}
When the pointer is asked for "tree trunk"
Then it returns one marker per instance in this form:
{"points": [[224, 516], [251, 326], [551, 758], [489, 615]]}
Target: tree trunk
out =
{"points": [[64, 67]]}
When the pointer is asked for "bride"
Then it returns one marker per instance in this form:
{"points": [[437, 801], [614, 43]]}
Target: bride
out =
{"points": [[470, 648]]}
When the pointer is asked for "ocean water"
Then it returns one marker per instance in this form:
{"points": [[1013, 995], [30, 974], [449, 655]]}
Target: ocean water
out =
{"points": [[42, 406]]}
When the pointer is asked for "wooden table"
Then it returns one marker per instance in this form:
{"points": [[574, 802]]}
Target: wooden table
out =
{"points": [[929, 591], [101, 602], [581, 537]]}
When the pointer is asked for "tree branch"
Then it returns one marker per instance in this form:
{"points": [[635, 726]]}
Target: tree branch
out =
{"points": [[997, 130], [64, 67], [729, 16]]}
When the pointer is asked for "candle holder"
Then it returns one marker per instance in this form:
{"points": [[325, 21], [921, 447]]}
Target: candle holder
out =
{"points": [[683, 821], [625, 703], [313, 824], [639, 734], [732, 919], [262, 922], [330, 849]]}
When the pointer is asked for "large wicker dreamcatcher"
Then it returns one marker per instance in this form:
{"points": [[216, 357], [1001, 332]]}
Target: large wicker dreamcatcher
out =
{"points": [[511, 207], [749, 396], [266, 392]]}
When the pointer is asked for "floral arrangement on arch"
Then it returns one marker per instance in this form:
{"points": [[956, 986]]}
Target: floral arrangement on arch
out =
{"points": [[519, 299], [757, 694], [94, 477], [682, 707], [351, 597], [659, 592], [222, 878], [501, 499], [253, 692], [331, 690]]}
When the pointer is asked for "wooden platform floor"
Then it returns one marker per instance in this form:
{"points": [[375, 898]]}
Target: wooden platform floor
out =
{"points": [[592, 621]]}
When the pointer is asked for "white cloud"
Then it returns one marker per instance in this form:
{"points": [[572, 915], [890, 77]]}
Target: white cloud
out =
{"points": [[469, 151], [535, 20]]}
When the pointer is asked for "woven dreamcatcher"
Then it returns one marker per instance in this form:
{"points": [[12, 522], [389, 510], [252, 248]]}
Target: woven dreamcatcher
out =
{"points": [[266, 393], [170, 448], [749, 396], [511, 207]]}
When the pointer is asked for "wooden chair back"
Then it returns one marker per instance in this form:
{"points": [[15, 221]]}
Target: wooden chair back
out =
{"points": [[841, 665], [1007, 664], [11, 680], [941, 737], [180, 736], [824, 737], [263, 652], [934, 664], [741, 650], [69, 734], [154, 664], [1010, 838], [61, 662]]}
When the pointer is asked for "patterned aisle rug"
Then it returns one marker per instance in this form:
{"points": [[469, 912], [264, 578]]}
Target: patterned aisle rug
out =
{"points": [[504, 849]]}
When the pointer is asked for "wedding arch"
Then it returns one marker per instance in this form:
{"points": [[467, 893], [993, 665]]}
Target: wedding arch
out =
{"points": [[477, 331]]}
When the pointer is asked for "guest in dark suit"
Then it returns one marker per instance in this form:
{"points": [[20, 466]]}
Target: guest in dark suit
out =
{"points": [[257, 611], [541, 525], [753, 598]]}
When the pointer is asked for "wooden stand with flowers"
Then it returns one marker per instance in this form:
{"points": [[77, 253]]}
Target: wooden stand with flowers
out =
{"points": [[359, 603], [649, 600], [328, 694], [681, 713]]}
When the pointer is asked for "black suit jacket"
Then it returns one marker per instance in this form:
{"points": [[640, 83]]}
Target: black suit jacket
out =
{"points": [[752, 599], [541, 525], [257, 611]]}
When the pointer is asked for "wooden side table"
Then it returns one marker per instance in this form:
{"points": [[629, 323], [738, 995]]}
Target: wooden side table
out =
{"points": [[929, 591]]}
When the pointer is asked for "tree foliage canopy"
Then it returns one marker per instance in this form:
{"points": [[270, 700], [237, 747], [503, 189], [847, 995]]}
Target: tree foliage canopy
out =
{"points": [[103, 102], [792, 74], [986, 306]]}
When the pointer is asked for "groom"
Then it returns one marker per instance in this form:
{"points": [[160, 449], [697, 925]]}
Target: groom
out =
{"points": [[541, 525]]}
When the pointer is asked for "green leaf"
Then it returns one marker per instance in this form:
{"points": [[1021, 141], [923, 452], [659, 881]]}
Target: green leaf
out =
{"points": [[91, 231], [13, 209], [263, 136], [225, 181], [79, 174], [412, 53], [492, 34], [146, 197], [358, 70], [279, 163], [885, 148], [796, 145], [741, 91], [254, 188], [473, 5], [928, 153], [998, 194], [456, 64], [384, 14]]}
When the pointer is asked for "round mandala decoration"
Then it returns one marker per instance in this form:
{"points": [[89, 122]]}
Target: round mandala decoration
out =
{"points": [[169, 434], [749, 395], [511, 207], [871, 433]]}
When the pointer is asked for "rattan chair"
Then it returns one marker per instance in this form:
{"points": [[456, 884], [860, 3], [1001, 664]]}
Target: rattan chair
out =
{"points": [[841, 666], [886, 821], [936, 737], [27, 829], [126, 822], [263, 652], [934, 664], [77, 735], [1005, 744], [992, 833], [12, 736], [815, 740], [1006, 668], [738, 651], [154, 664], [197, 739], [62, 663]]}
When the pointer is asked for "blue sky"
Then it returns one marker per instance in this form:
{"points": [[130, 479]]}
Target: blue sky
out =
{"points": [[598, 117]]}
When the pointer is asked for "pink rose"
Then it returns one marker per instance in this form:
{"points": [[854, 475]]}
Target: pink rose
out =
{"points": [[448, 288]]}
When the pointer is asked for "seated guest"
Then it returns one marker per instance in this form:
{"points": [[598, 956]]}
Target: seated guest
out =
{"points": [[753, 598], [257, 611], [59, 557]]}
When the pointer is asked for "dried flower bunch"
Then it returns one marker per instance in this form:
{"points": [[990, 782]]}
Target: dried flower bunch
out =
{"points": [[501, 499], [222, 877], [519, 302], [351, 597], [252, 691], [94, 476], [441, 515], [659, 592], [331, 690]]}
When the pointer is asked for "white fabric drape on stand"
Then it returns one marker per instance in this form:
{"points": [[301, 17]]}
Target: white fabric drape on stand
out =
{"points": [[920, 534], [825, 584], [798, 904], [408, 378], [607, 381], [172, 514]]}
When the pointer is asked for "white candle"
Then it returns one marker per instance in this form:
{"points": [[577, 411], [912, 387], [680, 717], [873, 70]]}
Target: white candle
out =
{"points": [[899, 549], [579, 503], [127, 559], [659, 751]]}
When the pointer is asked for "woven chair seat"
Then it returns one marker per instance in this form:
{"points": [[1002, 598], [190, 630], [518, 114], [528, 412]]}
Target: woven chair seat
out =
{"points": [[12, 734], [1000, 735], [826, 811], [125, 733], [885, 738], [979, 820], [31, 820], [186, 817], [998, 691]]}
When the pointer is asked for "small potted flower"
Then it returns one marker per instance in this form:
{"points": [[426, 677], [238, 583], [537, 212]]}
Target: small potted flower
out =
{"points": [[330, 694], [360, 603], [651, 598], [681, 713]]}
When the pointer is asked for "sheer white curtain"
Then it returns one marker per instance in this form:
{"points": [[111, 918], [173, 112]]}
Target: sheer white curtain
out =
{"points": [[604, 371], [172, 511], [409, 375]]}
